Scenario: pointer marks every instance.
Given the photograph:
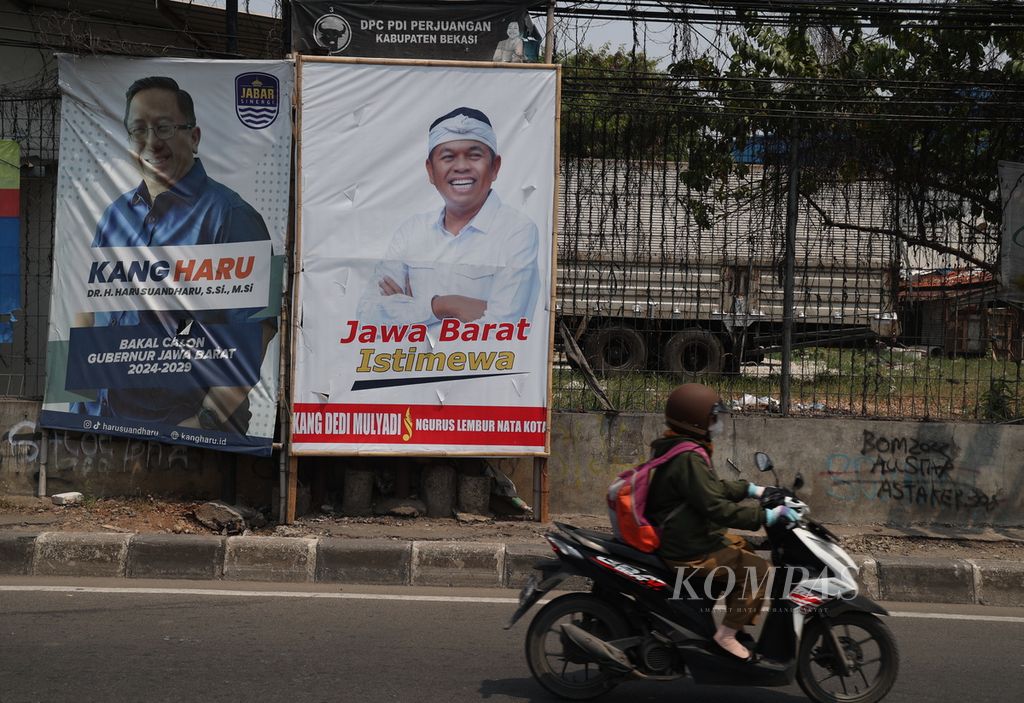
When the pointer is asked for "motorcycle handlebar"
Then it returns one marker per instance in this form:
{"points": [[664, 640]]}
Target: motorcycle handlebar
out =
{"points": [[774, 497]]}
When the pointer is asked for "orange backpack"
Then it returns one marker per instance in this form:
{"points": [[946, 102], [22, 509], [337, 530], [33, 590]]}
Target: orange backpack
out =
{"points": [[627, 500]]}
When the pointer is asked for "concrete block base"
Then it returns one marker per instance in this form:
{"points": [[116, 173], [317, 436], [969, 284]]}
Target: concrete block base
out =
{"points": [[358, 493], [437, 489]]}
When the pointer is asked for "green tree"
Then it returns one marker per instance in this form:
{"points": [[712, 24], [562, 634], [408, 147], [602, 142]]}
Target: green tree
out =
{"points": [[927, 106], [617, 104]]}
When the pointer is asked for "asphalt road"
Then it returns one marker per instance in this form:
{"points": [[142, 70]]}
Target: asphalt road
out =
{"points": [[386, 644]]}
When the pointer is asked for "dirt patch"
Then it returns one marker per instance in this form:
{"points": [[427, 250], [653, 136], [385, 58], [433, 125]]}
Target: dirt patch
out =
{"points": [[150, 514], [144, 515]]}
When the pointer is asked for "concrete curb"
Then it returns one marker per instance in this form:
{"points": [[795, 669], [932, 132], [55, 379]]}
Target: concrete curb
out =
{"points": [[425, 563], [285, 559], [80, 554]]}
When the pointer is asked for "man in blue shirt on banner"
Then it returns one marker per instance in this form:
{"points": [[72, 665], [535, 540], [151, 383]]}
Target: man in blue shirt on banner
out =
{"points": [[178, 204]]}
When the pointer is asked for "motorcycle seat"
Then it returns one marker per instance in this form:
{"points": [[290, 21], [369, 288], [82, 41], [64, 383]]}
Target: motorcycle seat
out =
{"points": [[616, 548]]}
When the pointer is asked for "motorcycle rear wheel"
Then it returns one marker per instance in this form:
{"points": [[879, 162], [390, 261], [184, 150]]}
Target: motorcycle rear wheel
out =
{"points": [[556, 662], [872, 656]]}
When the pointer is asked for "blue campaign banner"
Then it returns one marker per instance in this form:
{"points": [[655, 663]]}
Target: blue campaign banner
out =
{"points": [[10, 265], [10, 276], [158, 432], [129, 353], [151, 356]]}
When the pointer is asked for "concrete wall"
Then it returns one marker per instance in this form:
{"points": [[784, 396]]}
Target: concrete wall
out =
{"points": [[99, 465], [856, 471]]}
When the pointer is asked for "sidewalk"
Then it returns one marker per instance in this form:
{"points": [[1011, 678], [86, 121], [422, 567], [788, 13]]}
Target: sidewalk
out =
{"points": [[932, 565]]}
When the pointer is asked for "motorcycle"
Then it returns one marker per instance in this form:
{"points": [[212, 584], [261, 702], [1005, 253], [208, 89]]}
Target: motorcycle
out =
{"points": [[642, 621]]}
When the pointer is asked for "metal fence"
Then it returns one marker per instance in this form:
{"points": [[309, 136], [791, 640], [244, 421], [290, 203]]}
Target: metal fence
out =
{"points": [[680, 253], [674, 263], [32, 117]]}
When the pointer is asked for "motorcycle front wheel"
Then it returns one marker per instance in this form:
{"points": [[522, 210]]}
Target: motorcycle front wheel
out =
{"points": [[556, 662], [871, 654]]}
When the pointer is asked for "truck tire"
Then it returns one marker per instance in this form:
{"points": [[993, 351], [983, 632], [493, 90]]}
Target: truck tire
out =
{"points": [[615, 349], [694, 352]]}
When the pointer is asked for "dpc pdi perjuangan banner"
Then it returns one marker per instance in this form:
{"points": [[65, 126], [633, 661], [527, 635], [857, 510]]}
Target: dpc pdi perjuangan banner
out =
{"points": [[426, 205], [489, 30], [172, 205]]}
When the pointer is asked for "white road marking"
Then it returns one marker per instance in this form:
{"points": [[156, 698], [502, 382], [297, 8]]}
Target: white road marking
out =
{"points": [[259, 594], [401, 597], [955, 616]]}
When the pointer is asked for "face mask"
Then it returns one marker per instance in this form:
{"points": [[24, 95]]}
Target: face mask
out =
{"points": [[717, 427]]}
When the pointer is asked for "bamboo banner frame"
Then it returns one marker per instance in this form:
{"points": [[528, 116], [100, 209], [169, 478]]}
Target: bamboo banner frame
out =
{"points": [[296, 317]]}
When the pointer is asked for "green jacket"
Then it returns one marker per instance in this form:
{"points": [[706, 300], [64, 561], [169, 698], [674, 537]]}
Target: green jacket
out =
{"points": [[710, 505]]}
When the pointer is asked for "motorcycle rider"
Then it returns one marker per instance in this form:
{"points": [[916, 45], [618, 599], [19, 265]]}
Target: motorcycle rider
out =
{"points": [[694, 508]]}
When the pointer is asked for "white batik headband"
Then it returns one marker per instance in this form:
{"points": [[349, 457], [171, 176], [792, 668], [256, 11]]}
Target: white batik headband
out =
{"points": [[459, 127]]}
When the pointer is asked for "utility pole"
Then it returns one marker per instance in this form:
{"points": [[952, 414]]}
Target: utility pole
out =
{"points": [[549, 34], [231, 26], [788, 283]]}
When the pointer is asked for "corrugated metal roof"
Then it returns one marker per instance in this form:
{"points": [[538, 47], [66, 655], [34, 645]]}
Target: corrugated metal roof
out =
{"points": [[939, 285], [153, 28]]}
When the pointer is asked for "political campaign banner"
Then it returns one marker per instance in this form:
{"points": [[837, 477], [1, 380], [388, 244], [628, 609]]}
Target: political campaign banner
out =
{"points": [[10, 236], [426, 201], [1011, 188], [495, 30], [172, 208]]}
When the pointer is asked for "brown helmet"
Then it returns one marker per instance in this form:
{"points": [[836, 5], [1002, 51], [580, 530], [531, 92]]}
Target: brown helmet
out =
{"points": [[690, 408]]}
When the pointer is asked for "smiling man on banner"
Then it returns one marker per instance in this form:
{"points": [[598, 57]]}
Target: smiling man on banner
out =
{"points": [[476, 259], [177, 204]]}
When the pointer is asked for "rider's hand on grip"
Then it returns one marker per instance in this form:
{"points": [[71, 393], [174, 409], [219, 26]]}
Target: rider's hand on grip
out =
{"points": [[783, 514]]}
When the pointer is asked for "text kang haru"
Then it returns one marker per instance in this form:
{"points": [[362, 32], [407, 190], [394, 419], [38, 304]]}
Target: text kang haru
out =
{"points": [[226, 268]]}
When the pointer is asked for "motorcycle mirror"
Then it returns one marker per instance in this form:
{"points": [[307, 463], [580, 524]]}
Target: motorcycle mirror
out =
{"points": [[763, 462], [798, 482]]}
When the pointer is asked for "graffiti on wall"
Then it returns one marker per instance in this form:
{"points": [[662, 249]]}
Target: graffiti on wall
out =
{"points": [[82, 453], [919, 474]]}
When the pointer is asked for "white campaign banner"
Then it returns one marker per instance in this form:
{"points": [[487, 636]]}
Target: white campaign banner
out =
{"points": [[172, 208], [426, 203]]}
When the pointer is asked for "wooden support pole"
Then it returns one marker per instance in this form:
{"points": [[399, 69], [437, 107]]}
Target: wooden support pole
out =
{"points": [[541, 510], [293, 489]]}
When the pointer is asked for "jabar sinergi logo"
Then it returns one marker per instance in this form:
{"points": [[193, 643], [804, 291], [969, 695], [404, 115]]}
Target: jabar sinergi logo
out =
{"points": [[332, 32], [257, 97]]}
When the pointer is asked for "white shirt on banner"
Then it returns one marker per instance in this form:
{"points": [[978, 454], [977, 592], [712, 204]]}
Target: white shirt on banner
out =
{"points": [[493, 258]]}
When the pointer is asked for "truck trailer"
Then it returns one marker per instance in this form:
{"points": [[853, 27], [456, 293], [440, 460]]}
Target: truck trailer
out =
{"points": [[642, 285]]}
